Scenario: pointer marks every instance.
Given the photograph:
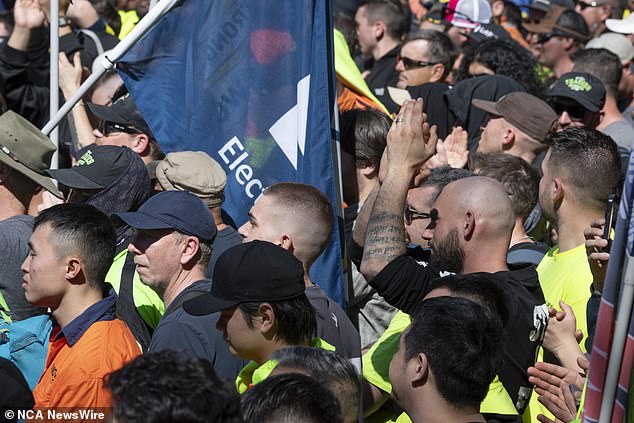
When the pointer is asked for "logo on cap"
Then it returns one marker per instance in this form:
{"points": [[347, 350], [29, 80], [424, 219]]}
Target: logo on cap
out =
{"points": [[86, 159], [578, 83]]}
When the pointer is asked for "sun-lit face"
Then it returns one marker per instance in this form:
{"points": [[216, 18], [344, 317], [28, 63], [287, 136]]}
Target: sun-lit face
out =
{"points": [[44, 281], [264, 219], [365, 31], [411, 74], [492, 135], [243, 341], [157, 256]]}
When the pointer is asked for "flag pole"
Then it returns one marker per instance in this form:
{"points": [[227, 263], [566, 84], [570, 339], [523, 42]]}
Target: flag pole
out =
{"points": [[618, 342], [108, 61], [54, 76]]}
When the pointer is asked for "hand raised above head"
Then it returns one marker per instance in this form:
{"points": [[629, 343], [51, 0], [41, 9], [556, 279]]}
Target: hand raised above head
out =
{"points": [[411, 141]]}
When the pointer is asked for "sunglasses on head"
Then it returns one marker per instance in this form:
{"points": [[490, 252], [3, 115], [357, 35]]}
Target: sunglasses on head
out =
{"points": [[110, 128], [576, 112], [410, 64], [583, 5]]}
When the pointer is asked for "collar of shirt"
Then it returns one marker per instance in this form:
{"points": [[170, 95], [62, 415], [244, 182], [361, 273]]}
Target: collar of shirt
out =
{"points": [[100, 311]]}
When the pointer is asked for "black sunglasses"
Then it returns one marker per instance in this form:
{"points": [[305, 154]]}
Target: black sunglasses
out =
{"points": [[109, 128], [410, 64], [575, 112], [412, 213]]}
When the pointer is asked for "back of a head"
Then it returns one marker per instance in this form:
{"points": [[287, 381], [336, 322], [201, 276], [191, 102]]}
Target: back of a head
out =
{"points": [[480, 288], [290, 398], [519, 179], [391, 12], [82, 230], [602, 64], [463, 343], [161, 387], [588, 162], [489, 201], [309, 214], [364, 134], [440, 48], [333, 370], [442, 176]]}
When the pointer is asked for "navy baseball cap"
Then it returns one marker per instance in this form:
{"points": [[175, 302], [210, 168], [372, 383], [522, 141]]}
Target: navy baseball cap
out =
{"points": [[124, 112], [178, 210], [256, 271]]}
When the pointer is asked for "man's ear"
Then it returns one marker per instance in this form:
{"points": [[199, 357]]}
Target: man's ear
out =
{"points": [[469, 224], [266, 319], [73, 268], [379, 29], [437, 72], [569, 43], [140, 144], [367, 168], [418, 370], [286, 242], [189, 250], [558, 191], [509, 139]]}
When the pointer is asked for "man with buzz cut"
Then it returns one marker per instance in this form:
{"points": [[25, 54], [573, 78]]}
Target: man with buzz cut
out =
{"points": [[72, 247], [299, 218]]}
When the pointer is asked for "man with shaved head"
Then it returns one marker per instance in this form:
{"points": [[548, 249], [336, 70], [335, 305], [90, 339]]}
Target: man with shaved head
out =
{"points": [[471, 225], [299, 218]]}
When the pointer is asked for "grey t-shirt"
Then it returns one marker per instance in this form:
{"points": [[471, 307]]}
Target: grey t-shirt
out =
{"points": [[621, 132], [14, 235]]}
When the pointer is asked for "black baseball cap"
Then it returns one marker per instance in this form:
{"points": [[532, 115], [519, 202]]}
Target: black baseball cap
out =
{"points": [[178, 210], [256, 271], [124, 112], [97, 168], [583, 88]]}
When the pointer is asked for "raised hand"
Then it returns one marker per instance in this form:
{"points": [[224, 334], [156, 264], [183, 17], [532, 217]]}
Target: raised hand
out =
{"points": [[28, 14], [597, 257]]}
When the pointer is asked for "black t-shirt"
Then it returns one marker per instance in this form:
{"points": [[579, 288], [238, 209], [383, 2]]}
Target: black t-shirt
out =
{"points": [[404, 282], [383, 74]]}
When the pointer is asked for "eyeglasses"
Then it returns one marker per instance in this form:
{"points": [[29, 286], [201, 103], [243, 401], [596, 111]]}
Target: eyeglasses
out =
{"points": [[544, 38], [410, 64], [583, 5], [412, 213], [575, 112], [111, 128]]}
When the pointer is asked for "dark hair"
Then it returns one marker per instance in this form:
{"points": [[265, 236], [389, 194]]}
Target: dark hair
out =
{"points": [[506, 58], [480, 288], [520, 180], [346, 25], [391, 12], [601, 63], [290, 398], [165, 386], [364, 134], [463, 343], [441, 49], [513, 13], [443, 176], [333, 370], [590, 162], [569, 19], [295, 319], [83, 230]]}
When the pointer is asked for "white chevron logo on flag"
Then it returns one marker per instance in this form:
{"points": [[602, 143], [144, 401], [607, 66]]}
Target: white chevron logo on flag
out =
{"points": [[289, 132]]}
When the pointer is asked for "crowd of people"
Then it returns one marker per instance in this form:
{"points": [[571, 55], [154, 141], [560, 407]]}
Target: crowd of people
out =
{"points": [[482, 145]]}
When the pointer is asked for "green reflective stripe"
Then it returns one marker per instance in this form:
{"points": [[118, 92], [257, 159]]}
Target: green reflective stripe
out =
{"points": [[253, 373], [4, 309], [147, 302]]}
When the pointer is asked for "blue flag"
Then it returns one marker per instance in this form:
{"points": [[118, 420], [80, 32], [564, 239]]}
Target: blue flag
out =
{"points": [[248, 82]]}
